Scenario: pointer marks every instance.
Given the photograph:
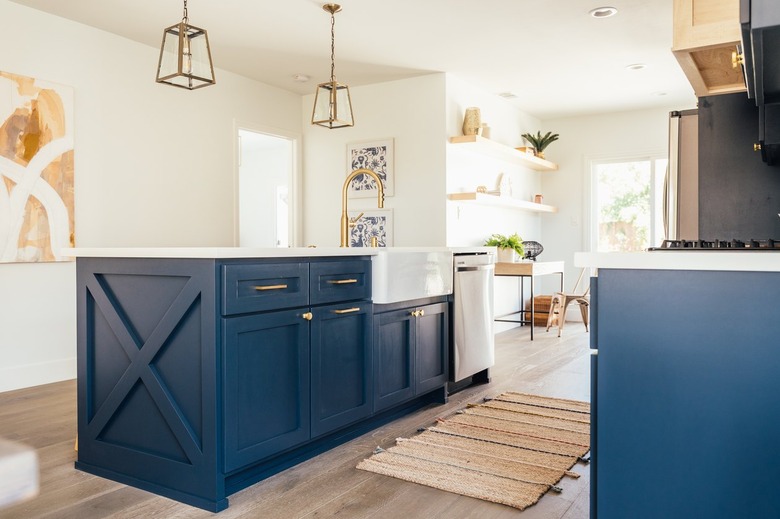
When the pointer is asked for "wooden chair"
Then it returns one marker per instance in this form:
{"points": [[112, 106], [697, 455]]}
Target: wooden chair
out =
{"points": [[561, 301]]}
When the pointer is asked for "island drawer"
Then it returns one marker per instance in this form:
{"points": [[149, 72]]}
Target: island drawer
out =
{"points": [[260, 287], [334, 281]]}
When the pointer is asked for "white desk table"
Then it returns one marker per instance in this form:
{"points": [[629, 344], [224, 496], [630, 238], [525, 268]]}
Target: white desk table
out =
{"points": [[523, 270]]}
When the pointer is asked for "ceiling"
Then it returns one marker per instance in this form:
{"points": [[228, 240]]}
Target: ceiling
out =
{"points": [[551, 54]]}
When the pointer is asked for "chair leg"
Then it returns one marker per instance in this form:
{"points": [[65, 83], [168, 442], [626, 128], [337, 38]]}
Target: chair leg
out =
{"points": [[562, 315], [551, 311], [584, 311]]}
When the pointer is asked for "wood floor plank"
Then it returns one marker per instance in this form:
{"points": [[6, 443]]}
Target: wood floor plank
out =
{"points": [[328, 485], [103, 505]]}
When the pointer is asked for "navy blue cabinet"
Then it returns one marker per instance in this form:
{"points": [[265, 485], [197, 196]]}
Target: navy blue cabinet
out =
{"points": [[685, 391], [394, 334], [344, 280], [410, 352], [148, 376], [431, 347], [340, 366], [267, 403], [253, 287], [199, 377]]}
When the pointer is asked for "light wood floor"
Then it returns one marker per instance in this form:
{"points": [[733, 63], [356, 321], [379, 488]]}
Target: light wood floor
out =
{"points": [[325, 486]]}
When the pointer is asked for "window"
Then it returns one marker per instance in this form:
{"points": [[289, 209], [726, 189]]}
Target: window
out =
{"points": [[627, 211]]}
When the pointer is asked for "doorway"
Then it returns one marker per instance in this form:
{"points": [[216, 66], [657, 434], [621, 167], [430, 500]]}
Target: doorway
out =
{"points": [[267, 173]]}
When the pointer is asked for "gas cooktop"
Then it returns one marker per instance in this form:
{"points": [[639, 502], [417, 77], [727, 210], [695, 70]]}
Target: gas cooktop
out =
{"points": [[719, 245]]}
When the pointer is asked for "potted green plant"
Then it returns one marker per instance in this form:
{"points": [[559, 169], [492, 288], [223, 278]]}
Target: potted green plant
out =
{"points": [[510, 248], [540, 142]]}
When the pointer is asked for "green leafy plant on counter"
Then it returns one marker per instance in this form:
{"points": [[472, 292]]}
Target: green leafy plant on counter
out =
{"points": [[513, 242], [540, 142]]}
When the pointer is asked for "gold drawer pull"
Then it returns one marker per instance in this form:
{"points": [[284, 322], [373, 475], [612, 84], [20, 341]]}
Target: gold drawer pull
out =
{"points": [[417, 313], [347, 310], [342, 281], [271, 287], [308, 316]]}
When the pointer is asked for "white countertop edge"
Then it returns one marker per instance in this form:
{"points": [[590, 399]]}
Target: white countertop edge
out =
{"points": [[663, 260], [246, 252], [214, 252]]}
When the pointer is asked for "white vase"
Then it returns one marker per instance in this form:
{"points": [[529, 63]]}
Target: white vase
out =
{"points": [[506, 255]]}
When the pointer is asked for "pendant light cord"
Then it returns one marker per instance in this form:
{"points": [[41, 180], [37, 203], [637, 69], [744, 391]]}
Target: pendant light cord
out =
{"points": [[185, 18], [332, 47]]}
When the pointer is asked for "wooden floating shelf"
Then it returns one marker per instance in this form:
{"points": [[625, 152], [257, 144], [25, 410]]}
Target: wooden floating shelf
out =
{"points": [[503, 152], [502, 201]]}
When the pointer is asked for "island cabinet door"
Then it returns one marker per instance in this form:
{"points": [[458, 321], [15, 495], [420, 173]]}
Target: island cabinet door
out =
{"points": [[394, 335], [340, 365], [266, 385], [432, 347]]}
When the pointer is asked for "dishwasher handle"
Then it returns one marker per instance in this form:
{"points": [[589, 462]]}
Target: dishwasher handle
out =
{"points": [[475, 267]]}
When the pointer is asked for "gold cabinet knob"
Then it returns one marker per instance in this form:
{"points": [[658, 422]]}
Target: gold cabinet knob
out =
{"points": [[756, 147], [421, 313], [308, 316]]}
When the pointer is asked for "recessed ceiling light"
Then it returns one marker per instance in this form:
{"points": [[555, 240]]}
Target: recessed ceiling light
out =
{"points": [[603, 12], [507, 95], [636, 66], [300, 78]]}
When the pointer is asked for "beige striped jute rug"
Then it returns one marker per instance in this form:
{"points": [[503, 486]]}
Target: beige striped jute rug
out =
{"points": [[511, 449]]}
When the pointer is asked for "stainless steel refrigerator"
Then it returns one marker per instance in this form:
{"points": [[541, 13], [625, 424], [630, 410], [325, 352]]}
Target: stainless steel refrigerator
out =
{"points": [[681, 186]]}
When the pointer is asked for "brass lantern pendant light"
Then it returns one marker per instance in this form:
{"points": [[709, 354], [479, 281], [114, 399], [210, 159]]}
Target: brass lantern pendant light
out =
{"points": [[332, 104], [185, 56]]}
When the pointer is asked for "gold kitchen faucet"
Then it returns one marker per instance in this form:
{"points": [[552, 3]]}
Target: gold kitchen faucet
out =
{"points": [[346, 221]]}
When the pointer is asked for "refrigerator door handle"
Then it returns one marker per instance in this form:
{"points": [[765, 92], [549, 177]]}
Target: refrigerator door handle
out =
{"points": [[671, 222], [666, 204]]}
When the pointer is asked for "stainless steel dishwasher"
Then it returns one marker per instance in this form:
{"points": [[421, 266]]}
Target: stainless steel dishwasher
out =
{"points": [[473, 344]]}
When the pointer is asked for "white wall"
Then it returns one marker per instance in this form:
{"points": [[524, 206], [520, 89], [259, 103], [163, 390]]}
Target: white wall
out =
{"points": [[154, 167], [613, 135], [411, 111], [469, 224]]}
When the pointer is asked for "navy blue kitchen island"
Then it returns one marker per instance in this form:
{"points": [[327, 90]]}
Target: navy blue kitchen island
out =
{"points": [[200, 376], [685, 385]]}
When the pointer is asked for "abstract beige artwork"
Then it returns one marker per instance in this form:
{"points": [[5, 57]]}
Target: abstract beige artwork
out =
{"points": [[36, 169]]}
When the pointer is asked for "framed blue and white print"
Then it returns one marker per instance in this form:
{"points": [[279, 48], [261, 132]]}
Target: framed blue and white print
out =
{"points": [[374, 223], [374, 155]]}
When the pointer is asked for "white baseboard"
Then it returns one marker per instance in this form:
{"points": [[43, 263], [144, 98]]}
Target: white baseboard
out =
{"points": [[28, 375]]}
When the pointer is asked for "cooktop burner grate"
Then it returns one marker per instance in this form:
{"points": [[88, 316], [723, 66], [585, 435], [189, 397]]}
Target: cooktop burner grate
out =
{"points": [[719, 245]]}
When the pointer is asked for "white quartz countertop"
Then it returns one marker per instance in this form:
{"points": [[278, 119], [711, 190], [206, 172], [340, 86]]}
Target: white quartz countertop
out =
{"points": [[214, 252], [665, 260], [242, 252]]}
